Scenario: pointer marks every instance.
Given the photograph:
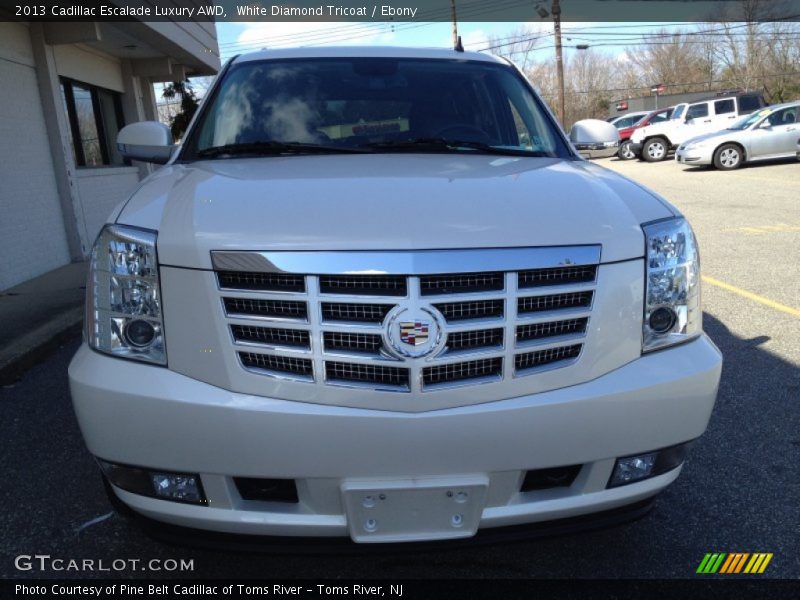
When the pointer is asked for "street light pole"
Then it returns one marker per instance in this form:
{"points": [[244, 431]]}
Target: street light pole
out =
{"points": [[556, 10]]}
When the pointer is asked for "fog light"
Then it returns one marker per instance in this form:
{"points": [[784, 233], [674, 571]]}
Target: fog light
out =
{"points": [[176, 487], [632, 468]]}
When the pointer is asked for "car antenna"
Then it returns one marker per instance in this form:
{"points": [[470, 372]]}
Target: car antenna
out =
{"points": [[459, 46]]}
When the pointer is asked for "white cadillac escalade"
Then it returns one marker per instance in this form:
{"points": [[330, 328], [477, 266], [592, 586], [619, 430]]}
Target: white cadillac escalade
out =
{"points": [[376, 293]]}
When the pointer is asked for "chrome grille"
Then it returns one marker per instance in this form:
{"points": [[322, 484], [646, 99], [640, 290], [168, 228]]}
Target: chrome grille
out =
{"points": [[266, 282], [281, 364], [352, 342], [557, 276], [363, 285], [271, 336], [367, 313], [369, 374], [554, 302], [538, 331], [529, 360], [474, 369], [279, 309], [488, 325], [461, 283], [482, 338], [476, 309]]}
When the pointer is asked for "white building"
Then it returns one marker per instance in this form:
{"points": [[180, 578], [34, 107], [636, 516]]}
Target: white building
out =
{"points": [[65, 91]]}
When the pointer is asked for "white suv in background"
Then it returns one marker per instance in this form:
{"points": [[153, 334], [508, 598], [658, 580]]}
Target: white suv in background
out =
{"points": [[376, 293], [654, 142]]}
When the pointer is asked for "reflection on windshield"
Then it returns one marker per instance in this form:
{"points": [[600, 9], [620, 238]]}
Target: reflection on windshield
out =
{"points": [[375, 103], [748, 120]]}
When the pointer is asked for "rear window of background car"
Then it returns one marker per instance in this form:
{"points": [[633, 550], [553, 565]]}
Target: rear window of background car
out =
{"points": [[722, 107]]}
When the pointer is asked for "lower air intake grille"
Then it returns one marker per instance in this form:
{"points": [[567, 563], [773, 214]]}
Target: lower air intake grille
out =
{"points": [[484, 338], [478, 309], [267, 490], [486, 367], [271, 336], [280, 309], [530, 360], [284, 364], [545, 479], [362, 313], [554, 302], [352, 342], [536, 331], [371, 374], [268, 282], [370, 285]]}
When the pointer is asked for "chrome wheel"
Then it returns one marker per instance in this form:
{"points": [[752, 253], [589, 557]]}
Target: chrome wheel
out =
{"points": [[625, 152], [656, 150], [728, 157]]}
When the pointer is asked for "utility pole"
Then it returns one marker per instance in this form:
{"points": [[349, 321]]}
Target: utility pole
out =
{"points": [[556, 10], [455, 22]]}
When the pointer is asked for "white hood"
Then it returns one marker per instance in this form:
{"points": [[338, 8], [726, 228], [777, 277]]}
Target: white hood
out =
{"points": [[389, 202]]}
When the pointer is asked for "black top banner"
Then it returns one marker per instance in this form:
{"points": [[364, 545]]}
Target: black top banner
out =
{"points": [[400, 10]]}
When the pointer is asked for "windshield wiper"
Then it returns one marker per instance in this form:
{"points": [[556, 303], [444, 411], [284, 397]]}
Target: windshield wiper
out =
{"points": [[273, 147], [445, 145]]}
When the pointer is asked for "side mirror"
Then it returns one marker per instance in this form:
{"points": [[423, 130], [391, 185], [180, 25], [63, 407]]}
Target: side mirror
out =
{"points": [[593, 138], [765, 124], [148, 141]]}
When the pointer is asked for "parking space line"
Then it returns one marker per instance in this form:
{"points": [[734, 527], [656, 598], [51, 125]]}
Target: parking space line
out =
{"points": [[751, 296]]}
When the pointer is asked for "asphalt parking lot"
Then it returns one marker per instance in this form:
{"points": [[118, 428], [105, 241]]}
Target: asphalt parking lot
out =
{"points": [[738, 492]]}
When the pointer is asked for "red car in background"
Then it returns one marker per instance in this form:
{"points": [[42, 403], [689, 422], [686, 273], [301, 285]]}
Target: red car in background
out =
{"points": [[656, 116]]}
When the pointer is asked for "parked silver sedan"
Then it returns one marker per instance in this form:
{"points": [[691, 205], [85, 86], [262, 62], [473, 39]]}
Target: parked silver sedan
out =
{"points": [[766, 134]]}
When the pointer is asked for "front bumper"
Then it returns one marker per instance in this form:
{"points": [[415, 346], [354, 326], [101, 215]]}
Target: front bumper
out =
{"points": [[693, 156], [149, 416]]}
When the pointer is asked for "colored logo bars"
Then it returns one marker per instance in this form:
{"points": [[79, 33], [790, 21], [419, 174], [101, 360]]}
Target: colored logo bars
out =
{"points": [[735, 562], [414, 333]]}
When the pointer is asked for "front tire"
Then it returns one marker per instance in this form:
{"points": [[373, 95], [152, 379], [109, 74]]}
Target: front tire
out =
{"points": [[625, 152], [728, 157], [655, 149]]}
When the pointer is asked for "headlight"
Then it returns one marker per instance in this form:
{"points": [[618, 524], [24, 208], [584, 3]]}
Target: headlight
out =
{"points": [[672, 312], [123, 297], [694, 145]]}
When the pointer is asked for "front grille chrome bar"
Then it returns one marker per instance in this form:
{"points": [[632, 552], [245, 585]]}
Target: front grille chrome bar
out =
{"points": [[418, 262], [498, 314]]}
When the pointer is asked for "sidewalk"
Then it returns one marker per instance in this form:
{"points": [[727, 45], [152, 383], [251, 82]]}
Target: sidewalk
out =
{"points": [[37, 315]]}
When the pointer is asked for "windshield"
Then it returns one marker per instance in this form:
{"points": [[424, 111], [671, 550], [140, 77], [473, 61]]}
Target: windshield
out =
{"points": [[677, 113], [748, 120], [372, 105]]}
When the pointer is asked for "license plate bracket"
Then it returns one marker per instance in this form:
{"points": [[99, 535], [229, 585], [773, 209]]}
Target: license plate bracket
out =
{"points": [[418, 509]]}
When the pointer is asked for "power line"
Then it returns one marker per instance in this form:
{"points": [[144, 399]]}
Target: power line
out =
{"points": [[468, 9], [708, 82]]}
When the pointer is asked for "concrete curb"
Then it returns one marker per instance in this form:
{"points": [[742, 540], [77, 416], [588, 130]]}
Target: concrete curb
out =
{"points": [[35, 345]]}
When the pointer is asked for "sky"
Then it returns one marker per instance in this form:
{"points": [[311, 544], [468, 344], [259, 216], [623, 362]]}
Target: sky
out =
{"points": [[235, 38]]}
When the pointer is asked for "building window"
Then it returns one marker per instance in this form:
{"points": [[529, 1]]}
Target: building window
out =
{"points": [[95, 118]]}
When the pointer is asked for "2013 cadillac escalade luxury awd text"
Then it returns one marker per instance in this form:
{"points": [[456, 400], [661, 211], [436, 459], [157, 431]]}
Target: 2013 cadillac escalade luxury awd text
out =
{"points": [[376, 293]]}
